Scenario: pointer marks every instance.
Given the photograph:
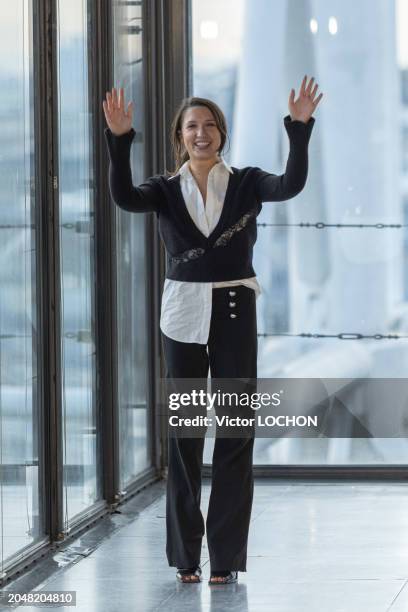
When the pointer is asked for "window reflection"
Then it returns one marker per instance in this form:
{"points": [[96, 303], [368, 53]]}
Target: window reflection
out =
{"points": [[325, 281], [131, 259], [81, 474], [20, 514]]}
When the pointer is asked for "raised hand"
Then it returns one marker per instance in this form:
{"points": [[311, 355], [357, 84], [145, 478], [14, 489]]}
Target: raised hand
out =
{"points": [[303, 108], [119, 121]]}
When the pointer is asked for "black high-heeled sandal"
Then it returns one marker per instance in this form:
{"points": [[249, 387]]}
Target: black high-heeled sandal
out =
{"points": [[231, 577], [192, 571]]}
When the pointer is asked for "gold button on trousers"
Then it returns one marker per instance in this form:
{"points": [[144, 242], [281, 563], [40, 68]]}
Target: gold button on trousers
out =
{"points": [[231, 352]]}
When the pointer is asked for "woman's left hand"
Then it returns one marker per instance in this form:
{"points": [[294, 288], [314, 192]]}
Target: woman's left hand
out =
{"points": [[303, 108]]}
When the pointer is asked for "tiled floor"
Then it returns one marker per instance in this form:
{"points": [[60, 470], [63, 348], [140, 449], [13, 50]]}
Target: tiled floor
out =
{"points": [[314, 547]]}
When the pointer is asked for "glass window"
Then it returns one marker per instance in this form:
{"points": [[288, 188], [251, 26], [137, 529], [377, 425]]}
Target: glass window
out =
{"points": [[20, 511], [328, 280], [131, 258], [81, 469], [404, 135]]}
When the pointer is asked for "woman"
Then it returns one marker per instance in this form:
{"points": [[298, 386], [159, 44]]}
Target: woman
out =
{"points": [[207, 220]]}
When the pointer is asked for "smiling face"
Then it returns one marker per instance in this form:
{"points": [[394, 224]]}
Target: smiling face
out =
{"points": [[200, 134]]}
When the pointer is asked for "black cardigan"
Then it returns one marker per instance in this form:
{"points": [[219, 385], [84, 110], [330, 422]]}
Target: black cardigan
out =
{"points": [[227, 252]]}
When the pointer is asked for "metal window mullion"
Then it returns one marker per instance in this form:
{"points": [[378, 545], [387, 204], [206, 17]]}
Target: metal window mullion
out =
{"points": [[101, 80], [49, 266], [169, 75]]}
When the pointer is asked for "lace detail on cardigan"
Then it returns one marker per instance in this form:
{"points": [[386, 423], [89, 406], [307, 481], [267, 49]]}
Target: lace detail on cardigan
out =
{"points": [[237, 227], [187, 255], [221, 240]]}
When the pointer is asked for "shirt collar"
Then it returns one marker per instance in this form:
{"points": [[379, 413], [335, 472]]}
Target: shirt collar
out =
{"points": [[185, 172]]}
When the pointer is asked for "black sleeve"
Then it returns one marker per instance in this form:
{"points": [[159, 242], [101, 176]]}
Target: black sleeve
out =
{"points": [[275, 188], [147, 196]]}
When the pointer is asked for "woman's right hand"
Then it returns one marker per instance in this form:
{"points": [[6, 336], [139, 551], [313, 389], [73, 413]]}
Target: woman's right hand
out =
{"points": [[119, 121]]}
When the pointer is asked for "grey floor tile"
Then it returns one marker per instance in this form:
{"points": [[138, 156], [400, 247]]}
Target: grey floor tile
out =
{"points": [[322, 596], [320, 547]]}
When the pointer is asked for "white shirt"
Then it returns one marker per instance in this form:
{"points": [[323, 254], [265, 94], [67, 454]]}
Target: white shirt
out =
{"points": [[186, 306]]}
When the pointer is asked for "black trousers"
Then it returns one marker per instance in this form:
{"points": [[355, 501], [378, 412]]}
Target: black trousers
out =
{"points": [[232, 352]]}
